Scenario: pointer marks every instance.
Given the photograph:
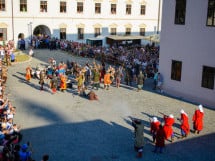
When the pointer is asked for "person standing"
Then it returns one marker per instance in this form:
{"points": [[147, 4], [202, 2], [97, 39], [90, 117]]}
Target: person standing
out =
{"points": [[42, 77], [12, 57], [138, 136], [159, 139], [2, 52], [28, 73], [54, 84], [31, 52], [80, 82], [168, 123], [96, 76], [155, 123], [107, 80], [198, 119], [63, 85], [155, 79], [118, 75], [24, 153], [159, 82], [140, 81], [185, 127]]}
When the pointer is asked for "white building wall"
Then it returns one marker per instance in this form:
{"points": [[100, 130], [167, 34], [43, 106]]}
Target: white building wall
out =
{"points": [[53, 18], [193, 44]]}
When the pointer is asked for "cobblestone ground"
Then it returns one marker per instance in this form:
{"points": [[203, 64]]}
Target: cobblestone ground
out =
{"points": [[72, 128]]}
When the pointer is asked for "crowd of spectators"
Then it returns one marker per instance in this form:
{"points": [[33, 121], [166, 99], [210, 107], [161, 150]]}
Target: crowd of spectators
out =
{"points": [[124, 63], [11, 146]]}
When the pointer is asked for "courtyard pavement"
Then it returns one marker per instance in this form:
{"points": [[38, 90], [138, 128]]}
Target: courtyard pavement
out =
{"points": [[71, 128]]}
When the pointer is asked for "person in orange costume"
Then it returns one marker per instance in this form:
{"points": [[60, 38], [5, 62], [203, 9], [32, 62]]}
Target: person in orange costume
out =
{"points": [[185, 127], [168, 123], [63, 80], [107, 80], [28, 73], [154, 127], [198, 119]]}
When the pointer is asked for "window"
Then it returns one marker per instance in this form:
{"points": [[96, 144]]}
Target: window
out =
{"points": [[80, 7], [113, 31], [43, 6], [142, 9], [2, 5], [176, 70], [113, 8], [128, 31], [128, 9], [3, 34], [23, 5], [97, 32], [63, 33], [80, 33], [97, 8], [211, 13], [62, 7], [208, 74], [142, 31], [180, 12]]}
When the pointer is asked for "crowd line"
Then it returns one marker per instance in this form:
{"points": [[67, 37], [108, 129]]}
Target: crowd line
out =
{"points": [[11, 146]]}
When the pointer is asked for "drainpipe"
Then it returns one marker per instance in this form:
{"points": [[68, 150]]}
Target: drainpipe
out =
{"points": [[158, 25]]}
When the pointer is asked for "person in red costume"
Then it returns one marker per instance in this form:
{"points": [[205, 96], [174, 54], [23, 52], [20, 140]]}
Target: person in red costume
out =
{"points": [[198, 119], [155, 123], [160, 140], [168, 130], [185, 127]]}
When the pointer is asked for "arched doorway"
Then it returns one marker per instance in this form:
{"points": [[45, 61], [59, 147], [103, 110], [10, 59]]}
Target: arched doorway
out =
{"points": [[42, 36], [42, 30]]}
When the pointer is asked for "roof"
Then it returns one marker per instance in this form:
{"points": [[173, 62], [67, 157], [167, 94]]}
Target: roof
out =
{"points": [[94, 38]]}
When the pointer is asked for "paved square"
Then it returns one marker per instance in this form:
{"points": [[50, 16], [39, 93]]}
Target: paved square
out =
{"points": [[72, 128]]}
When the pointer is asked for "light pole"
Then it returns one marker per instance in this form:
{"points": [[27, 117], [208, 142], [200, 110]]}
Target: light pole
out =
{"points": [[12, 19], [31, 37]]}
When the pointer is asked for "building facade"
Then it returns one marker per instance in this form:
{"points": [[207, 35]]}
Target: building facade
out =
{"points": [[77, 20], [187, 50]]}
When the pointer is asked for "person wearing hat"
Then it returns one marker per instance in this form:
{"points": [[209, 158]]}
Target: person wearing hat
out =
{"points": [[138, 136], [198, 119], [168, 130], [155, 123], [185, 127]]}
